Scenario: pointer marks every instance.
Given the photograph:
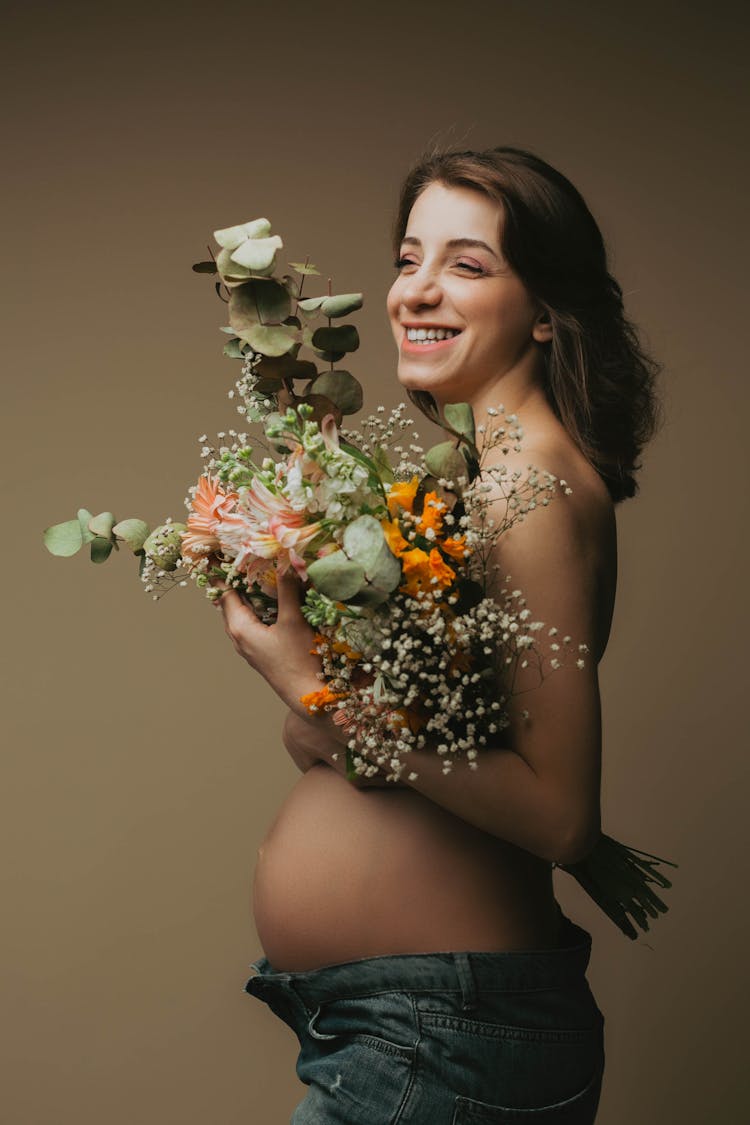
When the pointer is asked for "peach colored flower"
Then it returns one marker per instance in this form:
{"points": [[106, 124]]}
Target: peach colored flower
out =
{"points": [[210, 505], [266, 526]]}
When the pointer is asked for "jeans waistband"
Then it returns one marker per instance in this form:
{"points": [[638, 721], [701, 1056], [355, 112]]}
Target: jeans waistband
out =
{"points": [[467, 971]]}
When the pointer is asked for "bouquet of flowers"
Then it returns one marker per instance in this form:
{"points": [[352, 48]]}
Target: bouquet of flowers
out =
{"points": [[394, 545]]}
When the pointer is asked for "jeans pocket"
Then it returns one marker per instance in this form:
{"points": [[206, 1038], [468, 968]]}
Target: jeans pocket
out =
{"points": [[578, 1109], [384, 1022]]}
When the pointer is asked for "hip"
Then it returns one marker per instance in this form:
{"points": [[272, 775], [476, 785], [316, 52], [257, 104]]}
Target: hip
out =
{"points": [[461, 1037]]}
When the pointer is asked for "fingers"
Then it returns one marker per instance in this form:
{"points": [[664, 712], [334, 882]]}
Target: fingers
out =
{"points": [[290, 593]]}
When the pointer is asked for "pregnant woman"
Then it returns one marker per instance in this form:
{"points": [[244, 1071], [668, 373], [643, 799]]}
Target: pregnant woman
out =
{"points": [[411, 934]]}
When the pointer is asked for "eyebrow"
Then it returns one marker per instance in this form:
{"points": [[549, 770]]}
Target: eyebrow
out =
{"points": [[453, 242]]}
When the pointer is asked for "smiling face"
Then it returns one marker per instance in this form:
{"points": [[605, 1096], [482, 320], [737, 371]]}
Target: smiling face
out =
{"points": [[452, 276]]}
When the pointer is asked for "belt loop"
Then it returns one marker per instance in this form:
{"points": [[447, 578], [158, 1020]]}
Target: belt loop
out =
{"points": [[466, 980]]}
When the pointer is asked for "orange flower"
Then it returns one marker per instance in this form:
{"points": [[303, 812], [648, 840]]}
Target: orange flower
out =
{"points": [[393, 536], [420, 568], [402, 495], [315, 700], [432, 514], [456, 547]]}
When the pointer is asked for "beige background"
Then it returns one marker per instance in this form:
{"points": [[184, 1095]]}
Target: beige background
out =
{"points": [[142, 757]]}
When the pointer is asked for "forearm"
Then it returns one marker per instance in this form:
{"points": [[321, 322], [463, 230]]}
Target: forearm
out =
{"points": [[503, 796]]}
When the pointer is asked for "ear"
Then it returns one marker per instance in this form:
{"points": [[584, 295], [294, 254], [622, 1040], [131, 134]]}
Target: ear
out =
{"points": [[542, 330]]}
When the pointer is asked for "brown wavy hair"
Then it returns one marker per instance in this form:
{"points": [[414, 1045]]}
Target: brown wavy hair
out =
{"points": [[599, 379]]}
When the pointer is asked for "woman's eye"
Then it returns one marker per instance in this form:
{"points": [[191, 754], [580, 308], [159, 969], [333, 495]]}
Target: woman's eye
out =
{"points": [[467, 266], [403, 262]]}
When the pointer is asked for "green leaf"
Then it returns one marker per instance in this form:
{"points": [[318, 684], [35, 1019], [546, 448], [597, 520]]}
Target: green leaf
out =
{"points": [[204, 267], [233, 348], [133, 531], [100, 549], [258, 302], [84, 515], [344, 338], [363, 539], [257, 254], [271, 340], [336, 576], [63, 539], [329, 357], [305, 268], [310, 304], [341, 305], [380, 457], [460, 416], [444, 460], [342, 388], [231, 273], [230, 237], [374, 479], [101, 525], [285, 367]]}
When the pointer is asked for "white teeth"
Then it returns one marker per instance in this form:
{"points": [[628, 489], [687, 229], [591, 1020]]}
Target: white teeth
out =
{"points": [[429, 335]]}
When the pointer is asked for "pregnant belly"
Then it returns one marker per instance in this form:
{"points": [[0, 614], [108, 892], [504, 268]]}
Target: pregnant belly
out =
{"points": [[345, 873]]}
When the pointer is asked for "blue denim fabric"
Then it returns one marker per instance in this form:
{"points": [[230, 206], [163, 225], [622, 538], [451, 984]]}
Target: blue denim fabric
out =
{"points": [[454, 1038]]}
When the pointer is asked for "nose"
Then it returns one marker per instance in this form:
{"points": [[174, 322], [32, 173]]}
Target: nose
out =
{"points": [[421, 288]]}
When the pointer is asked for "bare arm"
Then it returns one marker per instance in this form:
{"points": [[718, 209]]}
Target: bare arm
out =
{"points": [[540, 790], [310, 741]]}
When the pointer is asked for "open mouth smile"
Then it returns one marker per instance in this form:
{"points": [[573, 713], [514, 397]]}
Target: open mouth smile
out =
{"points": [[427, 339]]}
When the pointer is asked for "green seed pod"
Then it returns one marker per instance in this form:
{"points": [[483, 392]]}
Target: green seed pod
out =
{"points": [[164, 545]]}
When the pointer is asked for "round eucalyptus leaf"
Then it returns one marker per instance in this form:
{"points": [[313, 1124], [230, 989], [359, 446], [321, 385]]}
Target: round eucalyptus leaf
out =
{"points": [[101, 525], [341, 305], [336, 576], [344, 338], [100, 549], [268, 339], [63, 539], [204, 267], [231, 274], [233, 348], [133, 531], [285, 367], [258, 302], [368, 597], [257, 254], [444, 460], [363, 540], [230, 237], [342, 388], [84, 515], [329, 357], [385, 574], [460, 416], [311, 304]]}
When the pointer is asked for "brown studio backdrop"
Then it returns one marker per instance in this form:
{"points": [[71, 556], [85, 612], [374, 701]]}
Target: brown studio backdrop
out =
{"points": [[143, 759]]}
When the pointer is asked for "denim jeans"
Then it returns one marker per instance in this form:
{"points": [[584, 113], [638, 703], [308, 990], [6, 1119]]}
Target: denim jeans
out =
{"points": [[454, 1038]]}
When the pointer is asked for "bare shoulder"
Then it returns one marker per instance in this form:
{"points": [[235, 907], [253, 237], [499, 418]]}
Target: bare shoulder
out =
{"points": [[563, 553]]}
